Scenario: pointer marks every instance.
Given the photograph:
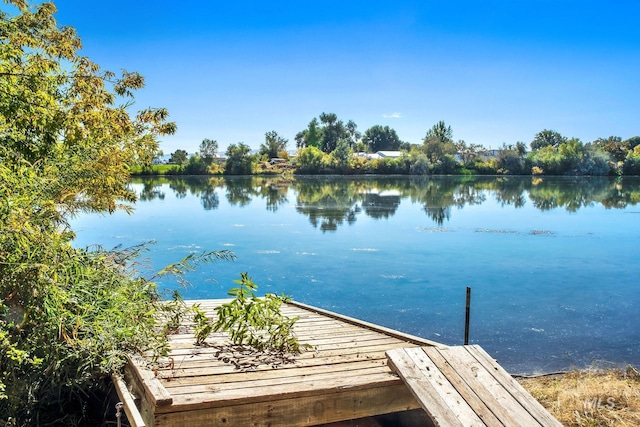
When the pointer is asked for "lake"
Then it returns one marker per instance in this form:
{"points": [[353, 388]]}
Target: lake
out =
{"points": [[552, 262]]}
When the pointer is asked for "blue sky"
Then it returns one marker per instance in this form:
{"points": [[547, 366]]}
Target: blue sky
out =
{"points": [[496, 71]]}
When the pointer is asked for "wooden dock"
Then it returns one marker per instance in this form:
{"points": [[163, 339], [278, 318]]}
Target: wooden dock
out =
{"points": [[344, 376], [464, 387], [348, 374]]}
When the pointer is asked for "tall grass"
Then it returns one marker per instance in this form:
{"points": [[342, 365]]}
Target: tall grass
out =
{"points": [[590, 398]]}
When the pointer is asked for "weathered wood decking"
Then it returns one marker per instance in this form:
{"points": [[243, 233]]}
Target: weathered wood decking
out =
{"points": [[348, 374], [464, 387], [345, 376]]}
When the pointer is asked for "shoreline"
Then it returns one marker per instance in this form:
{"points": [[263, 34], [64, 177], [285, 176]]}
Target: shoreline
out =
{"points": [[589, 397]]}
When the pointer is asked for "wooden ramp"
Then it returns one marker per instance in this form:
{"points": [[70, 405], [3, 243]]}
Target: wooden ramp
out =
{"points": [[463, 386], [344, 376]]}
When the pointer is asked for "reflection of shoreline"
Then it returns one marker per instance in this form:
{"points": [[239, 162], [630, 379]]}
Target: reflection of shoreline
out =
{"points": [[333, 201]]}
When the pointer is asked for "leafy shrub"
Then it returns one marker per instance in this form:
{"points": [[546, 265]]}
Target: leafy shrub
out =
{"points": [[445, 165], [196, 166], [594, 162], [389, 166], [486, 167], [420, 165], [570, 158], [357, 165], [251, 320], [68, 317], [239, 160], [312, 160], [632, 162]]}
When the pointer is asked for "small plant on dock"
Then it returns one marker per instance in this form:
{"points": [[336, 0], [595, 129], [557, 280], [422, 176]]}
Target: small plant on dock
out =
{"points": [[203, 326], [251, 320]]}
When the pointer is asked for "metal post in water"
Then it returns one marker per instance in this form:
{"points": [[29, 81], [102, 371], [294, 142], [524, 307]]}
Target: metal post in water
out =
{"points": [[467, 316]]}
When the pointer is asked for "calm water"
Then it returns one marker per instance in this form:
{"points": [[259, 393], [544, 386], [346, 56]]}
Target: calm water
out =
{"points": [[553, 264]]}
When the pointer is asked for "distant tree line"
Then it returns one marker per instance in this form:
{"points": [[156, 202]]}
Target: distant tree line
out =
{"points": [[328, 145]]}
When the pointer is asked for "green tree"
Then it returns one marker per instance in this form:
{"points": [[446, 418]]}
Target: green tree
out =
{"points": [[59, 109], [438, 142], [521, 148], [324, 134], [510, 160], [251, 320], [468, 152], [379, 138], [208, 150], [239, 159], [547, 160], [613, 145], [594, 162], [273, 144], [571, 154], [419, 163], [179, 157], [570, 158], [311, 160], [546, 138], [342, 154], [196, 165], [332, 130], [441, 132], [633, 142], [352, 136], [632, 162], [310, 137], [68, 317]]}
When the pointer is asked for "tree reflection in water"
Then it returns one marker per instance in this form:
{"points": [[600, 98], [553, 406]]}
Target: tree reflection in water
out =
{"points": [[330, 202]]}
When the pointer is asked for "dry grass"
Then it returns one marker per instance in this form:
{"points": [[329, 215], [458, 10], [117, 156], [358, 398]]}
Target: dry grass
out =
{"points": [[590, 398]]}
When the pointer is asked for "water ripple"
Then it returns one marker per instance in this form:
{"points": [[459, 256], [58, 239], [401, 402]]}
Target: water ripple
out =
{"points": [[488, 230], [541, 232], [434, 230]]}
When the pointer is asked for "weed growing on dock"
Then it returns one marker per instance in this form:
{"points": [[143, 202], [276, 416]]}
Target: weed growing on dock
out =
{"points": [[251, 320]]}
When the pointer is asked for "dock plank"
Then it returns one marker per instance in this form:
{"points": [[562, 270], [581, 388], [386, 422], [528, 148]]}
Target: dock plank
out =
{"points": [[464, 386], [150, 384], [128, 402], [487, 398], [205, 376], [275, 392], [523, 397], [471, 393], [326, 357], [296, 411], [438, 397], [295, 383]]}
